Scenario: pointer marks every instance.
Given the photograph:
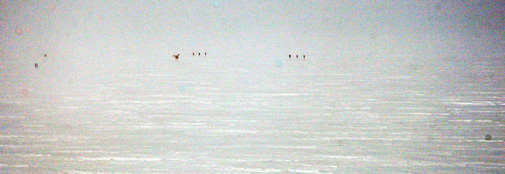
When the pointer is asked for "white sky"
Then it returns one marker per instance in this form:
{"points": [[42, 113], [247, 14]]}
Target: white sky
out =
{"points": [[152, 29]]}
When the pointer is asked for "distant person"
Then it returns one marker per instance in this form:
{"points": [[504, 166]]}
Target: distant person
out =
{"points": [[304, 57], [36, 65], [290, 56], [297, 56], [45, 55], [193, 53], [205, 53], [198, 53], [176, 56]]}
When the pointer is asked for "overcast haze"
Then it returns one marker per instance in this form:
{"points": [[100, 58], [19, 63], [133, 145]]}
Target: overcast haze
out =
{"points": [[158, 28]]}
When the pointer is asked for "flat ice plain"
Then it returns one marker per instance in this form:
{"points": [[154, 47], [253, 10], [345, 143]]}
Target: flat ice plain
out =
{"points": [[223, 114]]}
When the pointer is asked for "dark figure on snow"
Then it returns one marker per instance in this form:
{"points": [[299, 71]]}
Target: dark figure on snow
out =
{"points": [[36, 65], [176, 56], [290, 56]]}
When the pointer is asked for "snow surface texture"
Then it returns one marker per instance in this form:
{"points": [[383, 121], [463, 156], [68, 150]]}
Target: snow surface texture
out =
{"points": [[313, 116]]}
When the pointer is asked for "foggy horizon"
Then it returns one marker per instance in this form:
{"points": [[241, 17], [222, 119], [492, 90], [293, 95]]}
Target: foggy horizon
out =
{"points": [[157, 29]]}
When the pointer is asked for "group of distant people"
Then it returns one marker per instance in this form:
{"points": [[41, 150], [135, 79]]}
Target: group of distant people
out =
{"points": [[176, 56], [297, 56], [205, 53]]}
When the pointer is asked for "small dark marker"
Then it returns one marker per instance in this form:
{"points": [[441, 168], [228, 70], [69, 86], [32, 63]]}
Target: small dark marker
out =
{"points": [[198, 53], [488, 137], [36, 65]]}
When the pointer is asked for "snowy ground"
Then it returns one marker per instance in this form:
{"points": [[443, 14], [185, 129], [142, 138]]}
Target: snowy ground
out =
{"points": [[221, 114]]}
